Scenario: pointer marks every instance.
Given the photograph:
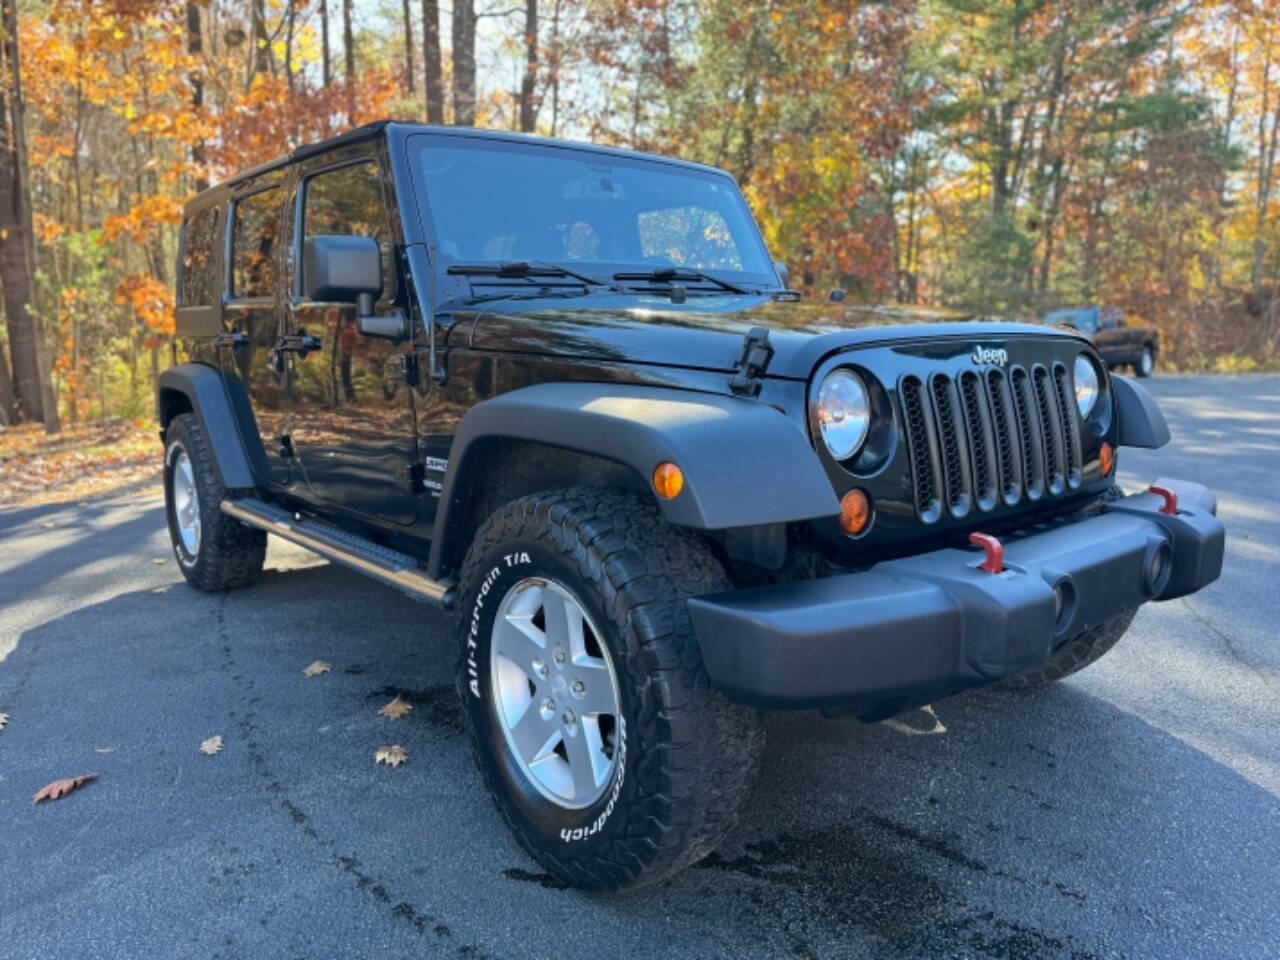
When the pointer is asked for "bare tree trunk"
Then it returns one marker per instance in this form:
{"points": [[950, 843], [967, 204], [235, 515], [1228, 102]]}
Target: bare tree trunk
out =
{"points": [[262, 59], [528, 115], [348, 42], [291, 18], [1266, 171], [433, 74], [327, 69], [555, 67], [464, 63], [195, 47], [33, 389], [408, 44], [8, 407]]}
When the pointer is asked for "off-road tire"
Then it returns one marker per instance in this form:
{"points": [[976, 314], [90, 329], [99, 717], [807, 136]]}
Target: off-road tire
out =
{"points": [[1075, 654], [689, 755], [1142, 368], [230, 553]]}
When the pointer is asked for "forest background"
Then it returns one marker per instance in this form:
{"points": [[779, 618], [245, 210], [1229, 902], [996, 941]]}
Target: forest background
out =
{"points": [[1001, 157]]}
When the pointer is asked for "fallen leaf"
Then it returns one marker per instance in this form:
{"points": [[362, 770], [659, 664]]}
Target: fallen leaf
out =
{"points": [[392, 756], [317, 667], [211, 746], [164, 589], [48, 524], [158, 560], [60, 788], [396, 709], [4, 720]]}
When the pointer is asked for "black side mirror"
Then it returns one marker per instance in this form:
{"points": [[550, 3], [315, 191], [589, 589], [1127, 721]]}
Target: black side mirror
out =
{"points": [[784, 275], [343, 270]]}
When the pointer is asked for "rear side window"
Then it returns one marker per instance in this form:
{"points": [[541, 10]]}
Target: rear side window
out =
{"points": [[199, 283], [348, 202], [255, 244]]}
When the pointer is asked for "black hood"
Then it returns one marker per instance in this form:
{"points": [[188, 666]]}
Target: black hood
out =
{"points": [[706, 332]]}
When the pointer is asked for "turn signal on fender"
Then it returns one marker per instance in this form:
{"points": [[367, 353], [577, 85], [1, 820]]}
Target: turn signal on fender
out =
{"points": [[1106, 459], [855, 511], [668, 480]]}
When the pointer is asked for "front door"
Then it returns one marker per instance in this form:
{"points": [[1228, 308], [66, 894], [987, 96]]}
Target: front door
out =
{"points": [[351, 415]]}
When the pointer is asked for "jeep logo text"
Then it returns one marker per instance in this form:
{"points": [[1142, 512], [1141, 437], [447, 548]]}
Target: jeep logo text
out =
{"points": [[995, 355]]}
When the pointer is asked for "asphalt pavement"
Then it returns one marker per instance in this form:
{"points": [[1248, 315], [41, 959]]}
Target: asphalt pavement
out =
{"points": [[1132, 811]]}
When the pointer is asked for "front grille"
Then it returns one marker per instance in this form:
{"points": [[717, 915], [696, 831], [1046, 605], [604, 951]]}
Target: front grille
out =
{"points": [[986, 438]]}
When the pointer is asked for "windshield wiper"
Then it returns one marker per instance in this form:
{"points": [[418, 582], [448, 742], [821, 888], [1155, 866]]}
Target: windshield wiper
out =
{"points": [[527, 270], [676, 274]]}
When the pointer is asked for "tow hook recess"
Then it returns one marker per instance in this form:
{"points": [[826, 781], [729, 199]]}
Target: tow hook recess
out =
{"points": [[1170, 498], [995, 552]]}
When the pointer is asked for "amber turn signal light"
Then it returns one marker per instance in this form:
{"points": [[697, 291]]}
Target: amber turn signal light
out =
{"points": [[855, 511], [668, 480], [1106, 459]]}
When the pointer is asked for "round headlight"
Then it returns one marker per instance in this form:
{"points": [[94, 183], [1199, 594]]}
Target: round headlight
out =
{"points": [[1085, 376], [843, 413]]}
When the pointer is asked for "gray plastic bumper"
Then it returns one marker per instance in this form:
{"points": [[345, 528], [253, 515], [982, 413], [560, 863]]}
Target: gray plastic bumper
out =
{"points": [[906, 632]]}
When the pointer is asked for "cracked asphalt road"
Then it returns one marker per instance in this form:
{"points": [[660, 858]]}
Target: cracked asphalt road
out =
{"points": [[1133, 811]]}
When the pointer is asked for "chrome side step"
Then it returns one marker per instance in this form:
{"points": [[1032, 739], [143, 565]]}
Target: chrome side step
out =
{"points": [[372, 559]]}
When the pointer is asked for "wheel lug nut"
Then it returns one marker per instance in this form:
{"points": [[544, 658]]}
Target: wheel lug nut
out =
{"points": [[568, 718], [559, 656], [579, 687], [549, 705]]}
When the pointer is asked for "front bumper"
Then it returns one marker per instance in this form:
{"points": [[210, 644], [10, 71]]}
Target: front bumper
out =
{"points": [[906, 632]]}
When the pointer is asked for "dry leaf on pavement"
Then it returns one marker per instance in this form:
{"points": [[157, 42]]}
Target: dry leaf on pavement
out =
{"points": [[212, 745], [4, 720], [396, 709], [392, 756], [317, 667], [158, 560], [48, 524], [163, 589], [60, 788]]}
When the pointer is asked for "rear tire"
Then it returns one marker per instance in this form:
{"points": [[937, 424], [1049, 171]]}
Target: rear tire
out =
{"points": [[1075, 654], [214, 551], [1146, 364], [673, 764]]}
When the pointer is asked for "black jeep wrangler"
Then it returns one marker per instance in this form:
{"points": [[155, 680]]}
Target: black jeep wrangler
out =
{"points": [[565, 391]]}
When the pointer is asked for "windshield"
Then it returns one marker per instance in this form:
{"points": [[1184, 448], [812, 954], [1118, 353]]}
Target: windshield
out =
{"points": [[494, 202]]}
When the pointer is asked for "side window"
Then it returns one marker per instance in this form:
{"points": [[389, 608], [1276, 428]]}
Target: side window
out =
{"points": [[199, 284], [255, 244], [348, 202], [693, 237]]}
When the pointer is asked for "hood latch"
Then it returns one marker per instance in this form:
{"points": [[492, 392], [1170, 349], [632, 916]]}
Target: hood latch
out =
{"points": [[757, 351]]}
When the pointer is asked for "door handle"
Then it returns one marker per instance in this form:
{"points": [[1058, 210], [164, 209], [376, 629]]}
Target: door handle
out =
{"points": [[300, 343]]}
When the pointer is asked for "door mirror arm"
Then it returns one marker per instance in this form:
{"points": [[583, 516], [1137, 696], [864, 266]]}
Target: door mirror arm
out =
{"points": [[384, 326]]}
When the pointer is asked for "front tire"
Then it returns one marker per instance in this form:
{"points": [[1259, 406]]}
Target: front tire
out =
{"points": [[214, 551], [1075, 654], [586, 701]]}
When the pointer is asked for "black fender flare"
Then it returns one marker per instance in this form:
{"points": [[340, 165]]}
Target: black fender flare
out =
{"points": [[213, 399], [1142, 423], [745, 463]]}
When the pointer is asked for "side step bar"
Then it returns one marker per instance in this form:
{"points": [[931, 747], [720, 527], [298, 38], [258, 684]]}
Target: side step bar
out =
{"points": [[372, 559]]}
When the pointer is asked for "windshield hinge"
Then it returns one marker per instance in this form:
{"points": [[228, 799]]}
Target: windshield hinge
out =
{"points": [[757, 351]]}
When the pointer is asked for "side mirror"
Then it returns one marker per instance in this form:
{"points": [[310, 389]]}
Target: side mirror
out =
{"points": [[343, 270], [784, 275]]}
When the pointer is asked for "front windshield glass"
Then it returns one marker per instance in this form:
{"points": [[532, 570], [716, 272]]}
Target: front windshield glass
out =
{"points": [[498, 202]]}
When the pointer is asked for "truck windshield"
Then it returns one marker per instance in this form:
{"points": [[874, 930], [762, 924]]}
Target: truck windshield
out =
{"points": [[501, 202]]}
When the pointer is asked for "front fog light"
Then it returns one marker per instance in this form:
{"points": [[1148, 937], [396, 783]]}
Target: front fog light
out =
{"points": [[843, 413], [1085, 376]]}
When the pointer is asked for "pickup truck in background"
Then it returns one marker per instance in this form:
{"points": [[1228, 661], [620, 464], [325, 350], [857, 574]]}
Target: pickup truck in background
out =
{"points": [[1117, 341]]}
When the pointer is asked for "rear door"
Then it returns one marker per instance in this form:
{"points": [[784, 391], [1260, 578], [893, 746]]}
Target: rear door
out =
{"points": [[351, 415]]}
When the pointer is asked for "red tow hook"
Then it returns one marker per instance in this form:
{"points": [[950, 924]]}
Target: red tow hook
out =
{"points": [[995, 552], [1170, 498]]}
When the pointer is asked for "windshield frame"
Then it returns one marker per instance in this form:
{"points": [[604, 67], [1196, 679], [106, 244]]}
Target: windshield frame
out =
{"points": [[453, 286]]}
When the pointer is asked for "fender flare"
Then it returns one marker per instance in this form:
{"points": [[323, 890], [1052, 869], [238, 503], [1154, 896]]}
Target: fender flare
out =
{"points": [[745, 463], [1142, 423], [212, 397]]}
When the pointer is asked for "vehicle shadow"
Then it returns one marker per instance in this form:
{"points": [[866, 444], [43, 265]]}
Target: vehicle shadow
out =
{"points": [[1001, 825]]}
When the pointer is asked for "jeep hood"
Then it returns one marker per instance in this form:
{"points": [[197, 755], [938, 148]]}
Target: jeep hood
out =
{"points": [[706, 332]]}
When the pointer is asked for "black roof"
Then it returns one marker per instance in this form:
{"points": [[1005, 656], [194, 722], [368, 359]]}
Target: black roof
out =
{"points": [[370, 131]]}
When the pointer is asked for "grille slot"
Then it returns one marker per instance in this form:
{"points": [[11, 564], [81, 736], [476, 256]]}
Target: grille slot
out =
{"points": [[954, 449], [982, 444], [1070, 430], [922, 443], [1051, 428], [1031, 441]]}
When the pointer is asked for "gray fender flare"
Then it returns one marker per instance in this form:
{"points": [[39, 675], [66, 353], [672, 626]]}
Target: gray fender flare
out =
{"points": [[744, 462], [1141, 422], [213, 399]]}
